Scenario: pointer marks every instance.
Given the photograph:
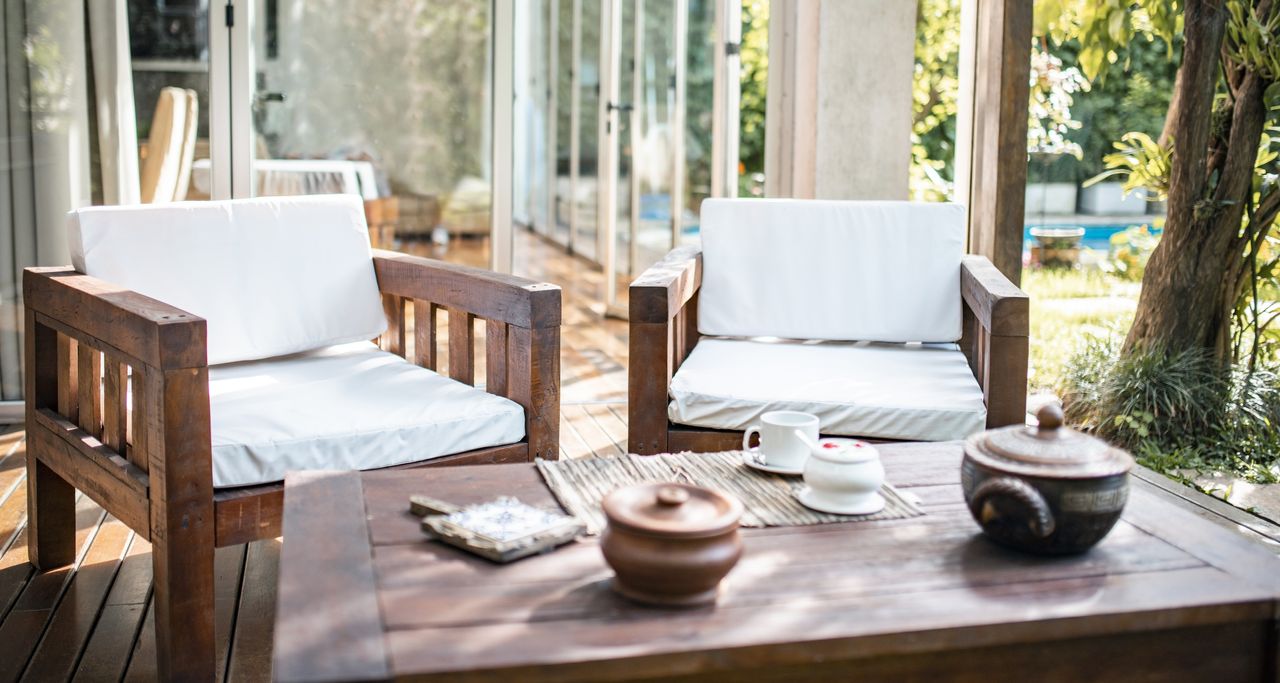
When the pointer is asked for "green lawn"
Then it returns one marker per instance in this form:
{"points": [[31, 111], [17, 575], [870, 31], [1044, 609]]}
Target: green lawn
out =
{"points": [[1068, 306]]}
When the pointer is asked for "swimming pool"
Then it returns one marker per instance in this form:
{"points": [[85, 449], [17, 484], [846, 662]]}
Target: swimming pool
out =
{"points": [[1096, 237]]}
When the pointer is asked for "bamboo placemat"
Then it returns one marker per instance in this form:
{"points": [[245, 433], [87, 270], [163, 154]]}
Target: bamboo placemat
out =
{"points": [[768, 499]]}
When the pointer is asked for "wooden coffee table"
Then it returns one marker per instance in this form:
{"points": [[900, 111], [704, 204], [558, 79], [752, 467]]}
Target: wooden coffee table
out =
{"points": [[1167, 596]]}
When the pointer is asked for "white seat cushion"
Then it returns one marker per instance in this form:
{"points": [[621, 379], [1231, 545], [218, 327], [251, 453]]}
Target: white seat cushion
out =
{"points": [[347, 407], [271, 276], [837, 270], [888, 391]]}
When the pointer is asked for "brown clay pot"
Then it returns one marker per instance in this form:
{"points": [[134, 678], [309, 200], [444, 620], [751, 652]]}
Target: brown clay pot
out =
{"points": [[1048, 489], [670, 544]]}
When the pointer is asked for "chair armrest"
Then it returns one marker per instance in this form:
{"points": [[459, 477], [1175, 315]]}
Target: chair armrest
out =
{"points": [[136, 327], [995, 339], [522, 335], [485, 294], [999, 306], [666, 286], [139, 443], [663, 331]]}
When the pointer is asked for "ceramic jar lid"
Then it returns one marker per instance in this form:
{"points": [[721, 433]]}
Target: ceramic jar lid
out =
{"points": [[845, 451], [1049, 450], [672, 510]]}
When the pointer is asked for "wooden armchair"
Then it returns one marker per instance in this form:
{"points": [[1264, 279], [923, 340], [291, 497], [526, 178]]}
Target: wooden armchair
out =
{"points": [[118, 406], [664, 332]]}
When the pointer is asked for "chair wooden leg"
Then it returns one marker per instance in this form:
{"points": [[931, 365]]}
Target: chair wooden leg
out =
{"points": [[51, 516], [182, 521], [184, 610]]}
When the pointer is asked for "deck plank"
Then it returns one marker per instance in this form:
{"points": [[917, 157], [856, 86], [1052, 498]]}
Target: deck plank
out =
{"points": [[25, 624], [107, 654], [228, 568], [609, 423], [72, 622], [1215, 509], [15, 571], [596, 439], [13, 493], [255, 625], [570, 440], [142, 663]]}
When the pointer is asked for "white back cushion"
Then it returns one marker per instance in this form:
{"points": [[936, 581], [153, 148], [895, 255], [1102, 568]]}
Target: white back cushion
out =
{"points": [[834, 270], [271, 276]]}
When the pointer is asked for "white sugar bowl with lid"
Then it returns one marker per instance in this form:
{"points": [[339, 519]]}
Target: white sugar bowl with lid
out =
{"points": [[842, 476]]}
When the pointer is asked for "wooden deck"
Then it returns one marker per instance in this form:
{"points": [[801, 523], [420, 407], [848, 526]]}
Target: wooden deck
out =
{"points": [[90, 621]]}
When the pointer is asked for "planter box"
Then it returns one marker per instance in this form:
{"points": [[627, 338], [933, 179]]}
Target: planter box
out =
{"points": [[1051, 199], [1108, 199]]}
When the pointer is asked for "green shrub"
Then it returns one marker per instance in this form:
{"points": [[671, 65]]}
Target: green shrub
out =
{"points": [[1174, 411], [1129, 252]]}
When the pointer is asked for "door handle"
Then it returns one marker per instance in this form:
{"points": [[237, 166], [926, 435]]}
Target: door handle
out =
{"points": [[621, 106]]}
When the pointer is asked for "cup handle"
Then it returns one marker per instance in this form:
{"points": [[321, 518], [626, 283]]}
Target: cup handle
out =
{"points": [[746, 438]]}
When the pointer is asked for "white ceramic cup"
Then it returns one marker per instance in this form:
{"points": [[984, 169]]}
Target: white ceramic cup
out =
{"points": [[778, 441]]}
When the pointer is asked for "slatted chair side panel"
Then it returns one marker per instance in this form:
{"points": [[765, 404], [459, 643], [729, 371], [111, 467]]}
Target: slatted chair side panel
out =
{"points": [[68, 381], [969, 331], [93, 392], [89, 388], [115, 404], [687, 321], [982, 357], [497, 379], [393, 340], [425, 347], [136, 433], [462, 359]]}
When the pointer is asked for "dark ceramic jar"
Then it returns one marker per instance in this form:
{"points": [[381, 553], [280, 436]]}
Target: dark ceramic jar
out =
{"points": [[1046, 489], [670, 544]]}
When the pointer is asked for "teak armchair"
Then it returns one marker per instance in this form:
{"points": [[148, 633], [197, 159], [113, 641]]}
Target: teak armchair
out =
{"points": [[664, 331], [118, 406]]}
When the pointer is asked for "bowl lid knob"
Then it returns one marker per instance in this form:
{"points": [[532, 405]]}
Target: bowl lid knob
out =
{"points": [[1050, 417], [671, 496]]}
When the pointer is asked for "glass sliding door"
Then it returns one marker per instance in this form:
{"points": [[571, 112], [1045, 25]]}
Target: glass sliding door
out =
{"points": [[646, 164], [585, 193], [700, 82], [658, 133], [169, 44], [566, 136], [627, 109], [654, 151], [388, 100], [106, 102]]}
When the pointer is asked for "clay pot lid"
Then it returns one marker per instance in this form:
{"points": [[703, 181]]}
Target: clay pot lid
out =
{"points": [[672, 510], [1050, 449]]}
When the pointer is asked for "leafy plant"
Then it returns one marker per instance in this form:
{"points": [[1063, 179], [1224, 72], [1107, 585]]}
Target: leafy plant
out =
{"points": [[1142, 162], [1176, 410], [1049, 121], [1254, 40], [755, 75], [1130, 249], [935, 85]]}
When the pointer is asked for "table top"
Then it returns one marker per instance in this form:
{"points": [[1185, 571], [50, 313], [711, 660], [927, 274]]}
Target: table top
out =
{"points": [[364, 595]]}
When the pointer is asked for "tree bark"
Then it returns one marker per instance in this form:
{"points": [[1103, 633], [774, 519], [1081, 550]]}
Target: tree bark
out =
{"points": [[1191, 283]]}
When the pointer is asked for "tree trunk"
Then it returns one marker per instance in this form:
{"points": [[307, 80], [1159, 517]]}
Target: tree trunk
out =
{"points": [[1192, 280]]}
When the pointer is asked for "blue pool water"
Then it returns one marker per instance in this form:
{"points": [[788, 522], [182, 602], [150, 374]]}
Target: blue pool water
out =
{"points": [[1096, 237]]}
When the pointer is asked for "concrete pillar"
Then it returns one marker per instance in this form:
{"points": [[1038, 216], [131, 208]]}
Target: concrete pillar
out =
{"points": [[838, 124]]}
